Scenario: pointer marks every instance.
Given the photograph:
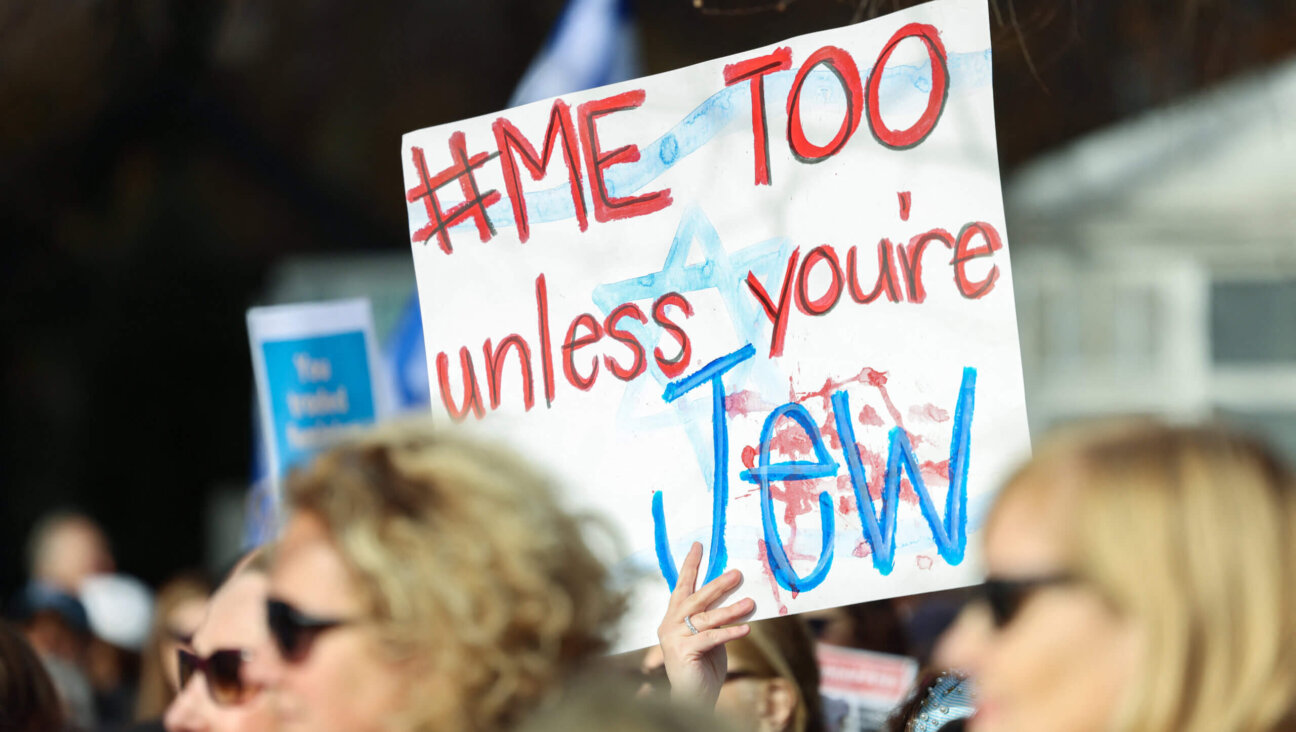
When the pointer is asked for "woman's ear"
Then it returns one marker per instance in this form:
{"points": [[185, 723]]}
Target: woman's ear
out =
{"points": [[779, 701]]}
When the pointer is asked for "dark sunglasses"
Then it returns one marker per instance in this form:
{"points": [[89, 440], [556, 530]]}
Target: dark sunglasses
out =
{"points": [[739, 674], [1005, 597], [818, 626], [294, 631], [222, 669]]}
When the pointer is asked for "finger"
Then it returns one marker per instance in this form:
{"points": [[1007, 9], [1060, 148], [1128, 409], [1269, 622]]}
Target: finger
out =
{"points": [[711, 592], [710, 639], [686, 582], [723, 615]]}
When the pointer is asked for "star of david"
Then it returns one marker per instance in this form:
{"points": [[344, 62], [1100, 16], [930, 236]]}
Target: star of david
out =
{"points": [[722, 271]]}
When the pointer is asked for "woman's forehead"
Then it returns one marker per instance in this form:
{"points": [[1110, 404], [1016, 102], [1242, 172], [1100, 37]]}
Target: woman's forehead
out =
{"points": [[1028, 533], [235, 616], [310, 573]]}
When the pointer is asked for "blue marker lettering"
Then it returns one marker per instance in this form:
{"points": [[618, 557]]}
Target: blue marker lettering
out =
{"points": [[764, 473], [951, 532], [714, 373]]}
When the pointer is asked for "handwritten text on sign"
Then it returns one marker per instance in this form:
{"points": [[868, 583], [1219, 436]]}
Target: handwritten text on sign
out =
{"points": [[628, 281]]}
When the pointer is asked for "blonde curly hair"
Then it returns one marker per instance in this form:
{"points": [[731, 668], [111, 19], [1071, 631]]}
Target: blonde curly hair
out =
{"points": [[468, 567]]}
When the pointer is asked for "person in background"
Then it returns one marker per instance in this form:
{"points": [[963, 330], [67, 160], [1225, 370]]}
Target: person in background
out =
{"points": [[180, 606], [1140, 577], [214, 695], [64, 548], [925, 618], [870, 626], [56, 626], [120, 612], [426, 582], [771, 677], [762, 674], [28, 700], [696, 628]]}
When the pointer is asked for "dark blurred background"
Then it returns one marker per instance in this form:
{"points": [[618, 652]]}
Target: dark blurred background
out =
{"points": [[159, 158]]}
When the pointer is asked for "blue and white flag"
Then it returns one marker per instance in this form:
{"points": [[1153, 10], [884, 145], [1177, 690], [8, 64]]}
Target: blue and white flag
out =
{"points": [[405, 359], [592, 44]]}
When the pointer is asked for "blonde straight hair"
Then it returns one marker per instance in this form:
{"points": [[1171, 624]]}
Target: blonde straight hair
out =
{"points": [[1191, 533]]}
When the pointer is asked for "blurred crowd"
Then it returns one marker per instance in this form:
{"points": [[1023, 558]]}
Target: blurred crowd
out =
{"points": [[1139, 577]]}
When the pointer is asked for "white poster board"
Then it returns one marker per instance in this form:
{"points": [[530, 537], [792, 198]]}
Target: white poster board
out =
{"points": [[679, 293]]}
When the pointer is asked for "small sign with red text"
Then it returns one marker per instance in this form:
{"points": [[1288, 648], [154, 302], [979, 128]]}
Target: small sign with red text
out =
{"points": [[860, 689]]}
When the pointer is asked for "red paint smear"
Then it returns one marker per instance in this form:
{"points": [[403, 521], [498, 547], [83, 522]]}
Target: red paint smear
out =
{"points": [[829, 430], [862, 549], [924, 562], [763, 556], [845, 505], [867, 375], [935, 472], [875, 377], [743, 403], [824, 393], [874, 470], [907, 493], [791, 441], [798, 497], [868, 417], [886, 398], [874, 465], [929, 412], [845, 494]]}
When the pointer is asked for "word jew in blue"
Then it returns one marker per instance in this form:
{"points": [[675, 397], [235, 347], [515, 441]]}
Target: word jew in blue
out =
{"points": [[879, 529]]}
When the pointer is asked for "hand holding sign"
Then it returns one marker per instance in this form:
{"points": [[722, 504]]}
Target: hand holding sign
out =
{"points": [[696, 662]]}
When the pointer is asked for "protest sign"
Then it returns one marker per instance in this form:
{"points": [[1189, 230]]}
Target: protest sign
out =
{"points": [[315, 365], [764, 303], [860, 689]]}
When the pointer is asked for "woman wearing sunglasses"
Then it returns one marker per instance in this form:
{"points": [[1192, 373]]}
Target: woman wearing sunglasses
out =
{"points": [[426, 582], [770, 677], [1143, 578], [213, 695]]}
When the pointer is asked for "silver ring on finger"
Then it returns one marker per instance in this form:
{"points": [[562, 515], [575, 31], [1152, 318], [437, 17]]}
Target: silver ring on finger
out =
{"points": [[688, 623]]}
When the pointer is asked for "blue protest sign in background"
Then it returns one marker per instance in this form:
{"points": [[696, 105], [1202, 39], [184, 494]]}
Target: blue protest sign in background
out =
{"points": [[318, 377]]}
